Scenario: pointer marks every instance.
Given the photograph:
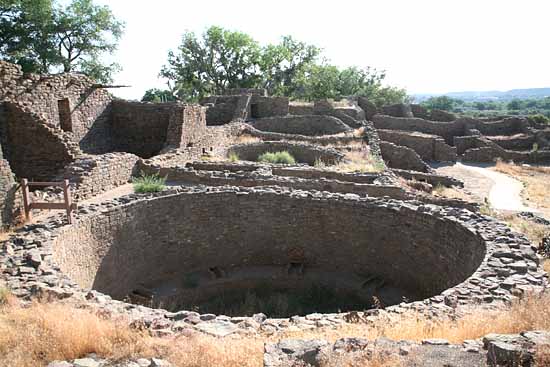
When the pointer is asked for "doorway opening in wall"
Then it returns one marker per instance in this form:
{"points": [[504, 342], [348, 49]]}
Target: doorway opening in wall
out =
{"points": [[254, 111], [65, 119]]}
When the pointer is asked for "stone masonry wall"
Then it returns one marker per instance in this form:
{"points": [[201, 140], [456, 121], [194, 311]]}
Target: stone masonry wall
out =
{"points": [[310, 125], [140, 128], [34, 149], [167, 240], [187, 124], [41, 94], [10, 201], [397, 156], [303, 153], [92, 175], [428, 147]]}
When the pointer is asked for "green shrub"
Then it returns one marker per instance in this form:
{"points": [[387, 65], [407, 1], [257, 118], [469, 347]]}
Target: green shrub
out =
{"points": [[539, 119], [278, 157], [233, 157], [149, 183]]}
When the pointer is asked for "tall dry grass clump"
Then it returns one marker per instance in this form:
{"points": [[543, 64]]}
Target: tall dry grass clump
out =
{"points": [[40, 333]]}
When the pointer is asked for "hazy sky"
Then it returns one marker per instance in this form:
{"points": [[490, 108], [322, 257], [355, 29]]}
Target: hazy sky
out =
{"points": [[432, 46]]}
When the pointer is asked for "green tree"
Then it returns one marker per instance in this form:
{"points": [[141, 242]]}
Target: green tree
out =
{"points": [[43, 36], [221, 59], [328, 81], [158, 95], [283, 64], [440, 103], [515, 104]]}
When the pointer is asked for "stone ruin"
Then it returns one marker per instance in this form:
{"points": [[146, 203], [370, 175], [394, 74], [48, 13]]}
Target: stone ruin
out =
{"points": [[224, 227]]}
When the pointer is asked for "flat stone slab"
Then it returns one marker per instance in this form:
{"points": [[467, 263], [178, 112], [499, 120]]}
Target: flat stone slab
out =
{"points": [[217, 328]]}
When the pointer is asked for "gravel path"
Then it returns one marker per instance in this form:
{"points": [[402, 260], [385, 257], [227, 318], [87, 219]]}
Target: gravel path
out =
{"points": [[502, 191]]}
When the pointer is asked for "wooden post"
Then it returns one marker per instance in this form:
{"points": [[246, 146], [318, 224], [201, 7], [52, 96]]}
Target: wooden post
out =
{"points": [[26, 199], [67, 197]]}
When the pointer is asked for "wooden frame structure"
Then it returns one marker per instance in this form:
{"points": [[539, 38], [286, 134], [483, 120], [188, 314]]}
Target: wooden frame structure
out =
{"points": [[66, 205]]}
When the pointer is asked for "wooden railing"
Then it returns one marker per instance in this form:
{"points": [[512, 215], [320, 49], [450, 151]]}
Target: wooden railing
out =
{"points": [[29, 205]]}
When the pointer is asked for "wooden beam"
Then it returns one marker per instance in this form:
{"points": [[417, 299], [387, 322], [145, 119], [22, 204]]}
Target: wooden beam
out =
{"points": [[106, 86]]}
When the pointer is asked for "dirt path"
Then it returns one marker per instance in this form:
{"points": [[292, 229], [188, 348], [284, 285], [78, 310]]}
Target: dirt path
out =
{"points": [[502, 191]]}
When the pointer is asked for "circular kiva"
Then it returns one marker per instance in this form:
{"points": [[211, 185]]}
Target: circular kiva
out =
{"points": [[193, 253]]}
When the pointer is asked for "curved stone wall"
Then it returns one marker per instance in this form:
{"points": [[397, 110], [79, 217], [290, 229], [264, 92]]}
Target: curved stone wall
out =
{"points": [[311, 125], [245, 238], [303, 153], [413, 248]]}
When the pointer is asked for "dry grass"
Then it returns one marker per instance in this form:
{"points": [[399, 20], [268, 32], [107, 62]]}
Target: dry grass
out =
{"points": [[534, 231], [450, 192], [41, 333], [546, 265], [358, 161], [247, 139], [35, 335], [536, 180]]}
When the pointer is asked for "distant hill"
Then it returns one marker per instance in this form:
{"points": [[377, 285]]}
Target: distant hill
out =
{"points": [[530, 93]]}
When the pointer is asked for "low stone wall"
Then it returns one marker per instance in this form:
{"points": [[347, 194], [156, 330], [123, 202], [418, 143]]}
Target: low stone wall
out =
{"points": [[490, 154], [522, 142], [316, 173], [431, 178], [447, 130], [93, 175], [311, 125], [257, 179], [303, 153], [397, 156], [428, 147], [346, 138]]}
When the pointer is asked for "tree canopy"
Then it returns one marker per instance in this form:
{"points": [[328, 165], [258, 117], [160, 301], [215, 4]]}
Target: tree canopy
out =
{"points": [[222, 59], [43, 36]]}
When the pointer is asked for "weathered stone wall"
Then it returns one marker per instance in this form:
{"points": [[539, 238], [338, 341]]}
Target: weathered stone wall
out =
{"points": [[140, 127], [300, 108], [398, 110], [397, 156], [367, 106], [10, 200], [88, 106], [325, 107], [261, 107], [311, 125], [447, 130], [91, 175], [404, 247], [428, 147], [186, 126], [303, 153], [522, 142], [507, 126], [225, 109], [34, 149], [440, 115], [493, 152]]}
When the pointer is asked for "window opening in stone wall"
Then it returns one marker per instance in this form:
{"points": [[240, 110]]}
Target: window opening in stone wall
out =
{"points": [[254, 111], [65, 118]]}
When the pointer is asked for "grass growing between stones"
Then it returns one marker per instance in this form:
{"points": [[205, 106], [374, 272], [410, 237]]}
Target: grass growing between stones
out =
{"points": [[40, 333], [283, 157], [233, 157], [149, 183]]}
